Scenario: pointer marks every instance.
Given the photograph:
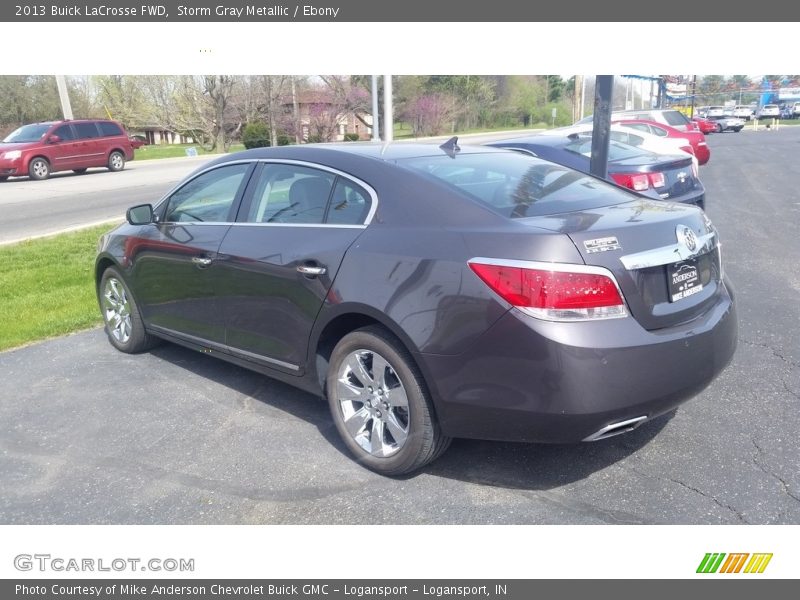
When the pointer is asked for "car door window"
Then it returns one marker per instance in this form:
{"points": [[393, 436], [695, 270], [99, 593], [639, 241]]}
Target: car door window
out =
{"points": [[209, 197], [65, 133], [86, 130], [290, 194]]}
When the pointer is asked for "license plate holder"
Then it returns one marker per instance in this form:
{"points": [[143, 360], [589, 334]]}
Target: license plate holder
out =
{"points": [[683, 280]]}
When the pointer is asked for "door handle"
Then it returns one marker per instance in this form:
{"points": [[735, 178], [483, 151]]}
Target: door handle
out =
{"points": [[311, 271], [201, 261]]}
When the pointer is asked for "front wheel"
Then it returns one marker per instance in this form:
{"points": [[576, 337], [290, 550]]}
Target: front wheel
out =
{"points": [[124, 325], [39, 169], [116, 161], [380, 404], [719, 128]]}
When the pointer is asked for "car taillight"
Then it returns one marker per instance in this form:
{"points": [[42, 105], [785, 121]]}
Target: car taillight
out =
{"points": [[657, 179], [632, 181], [554, 292]]}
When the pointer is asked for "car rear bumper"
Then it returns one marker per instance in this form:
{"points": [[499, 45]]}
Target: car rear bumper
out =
{"points": [[538, 381]]}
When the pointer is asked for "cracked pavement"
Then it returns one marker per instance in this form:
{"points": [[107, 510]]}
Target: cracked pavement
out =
{"points": [[89, 435]]}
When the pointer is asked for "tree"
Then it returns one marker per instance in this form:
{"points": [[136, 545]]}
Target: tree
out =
{"points": [[203, 109], [430, 114]]}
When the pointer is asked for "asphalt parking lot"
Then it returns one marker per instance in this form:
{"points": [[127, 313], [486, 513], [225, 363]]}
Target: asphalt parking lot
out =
{"points": [[90, 435]]}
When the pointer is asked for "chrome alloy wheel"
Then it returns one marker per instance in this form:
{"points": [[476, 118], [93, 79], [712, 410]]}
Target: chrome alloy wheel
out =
{"points": [[373, 403], [117, 310], [116, 161]]}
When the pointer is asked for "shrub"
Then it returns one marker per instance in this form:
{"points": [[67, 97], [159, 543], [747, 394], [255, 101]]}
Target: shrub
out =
{"points": [[351, 137], [284, 140], [255, 135], [315, 139]]}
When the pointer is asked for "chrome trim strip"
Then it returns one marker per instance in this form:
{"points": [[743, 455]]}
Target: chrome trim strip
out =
{"points": [[223, 347], [615, 429], [668, 254], [370, 190]]}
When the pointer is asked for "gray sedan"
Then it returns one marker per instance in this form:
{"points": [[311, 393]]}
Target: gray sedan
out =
{"points": [[429, 293]]}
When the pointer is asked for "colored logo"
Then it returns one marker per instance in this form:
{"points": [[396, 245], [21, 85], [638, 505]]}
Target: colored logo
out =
{"points": [[719, 562]]}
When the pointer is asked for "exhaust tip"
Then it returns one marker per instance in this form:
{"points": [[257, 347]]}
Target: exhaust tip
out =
{"points": [[615, 429]]}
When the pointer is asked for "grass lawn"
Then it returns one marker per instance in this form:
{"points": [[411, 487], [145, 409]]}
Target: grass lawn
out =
{"points": [[174, 150], [47, 287]]}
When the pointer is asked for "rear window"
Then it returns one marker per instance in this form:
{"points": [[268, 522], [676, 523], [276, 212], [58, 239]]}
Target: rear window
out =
{"points": [[109, 128], [515, 185], [616, 150], [673, 117]]}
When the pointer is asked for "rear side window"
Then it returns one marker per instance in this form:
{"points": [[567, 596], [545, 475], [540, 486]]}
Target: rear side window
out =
{"points": [[86, 130], [517, 186], [290, 194], [108, 129], [350, 204]]}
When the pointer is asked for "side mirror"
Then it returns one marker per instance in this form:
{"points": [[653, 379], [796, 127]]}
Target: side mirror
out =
{"points": [[53, 139], [140, 215]]}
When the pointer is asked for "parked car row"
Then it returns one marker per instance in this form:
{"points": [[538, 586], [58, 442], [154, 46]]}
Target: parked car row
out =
{"points": [[437, 292]]}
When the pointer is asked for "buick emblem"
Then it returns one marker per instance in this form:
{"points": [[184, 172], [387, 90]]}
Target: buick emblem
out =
{"points": [[682, 177], [686, 237]]}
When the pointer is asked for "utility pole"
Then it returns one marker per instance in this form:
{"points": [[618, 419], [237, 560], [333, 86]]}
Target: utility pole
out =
{"points": [[376, 134], [694, 91], [583, 94], [603, 95], [63, 95], [296, 113], [388, 117]]}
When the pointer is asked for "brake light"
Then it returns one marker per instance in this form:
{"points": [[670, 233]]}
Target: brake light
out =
{"points": [[554, 292], [657, 179], [632, 181]]}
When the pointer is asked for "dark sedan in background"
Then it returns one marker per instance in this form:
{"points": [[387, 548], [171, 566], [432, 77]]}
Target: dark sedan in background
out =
{"points": [[429, 293], [660, 176]]}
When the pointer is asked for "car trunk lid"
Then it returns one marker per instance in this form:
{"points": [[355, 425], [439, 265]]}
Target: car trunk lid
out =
{"points": [[665, 256]]}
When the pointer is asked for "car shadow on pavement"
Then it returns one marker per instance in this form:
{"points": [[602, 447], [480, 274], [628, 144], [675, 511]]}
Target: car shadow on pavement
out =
{"points": [[505, 464]]}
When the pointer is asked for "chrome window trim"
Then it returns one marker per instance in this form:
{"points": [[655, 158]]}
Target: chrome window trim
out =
{"points": [[667, 255], [311, 165]]}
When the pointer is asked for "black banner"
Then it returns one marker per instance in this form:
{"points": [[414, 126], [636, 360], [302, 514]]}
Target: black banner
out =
{"points": [[175, 11], [415, 589]]}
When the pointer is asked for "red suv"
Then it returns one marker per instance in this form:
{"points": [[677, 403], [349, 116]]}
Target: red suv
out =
{"points": [[39, 149]]}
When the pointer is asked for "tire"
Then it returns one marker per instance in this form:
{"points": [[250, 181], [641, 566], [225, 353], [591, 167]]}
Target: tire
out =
{"points": [[394, 405], [719, 128], [116, 161], [3, 178], [39, 169], [737, 130], [124, 325], [79, 171]]}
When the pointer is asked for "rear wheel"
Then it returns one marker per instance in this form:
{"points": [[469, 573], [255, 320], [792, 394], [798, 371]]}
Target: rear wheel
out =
{"points": [[380, 405], [3, 178], [39, 169], [116, 161], [124, 325]]}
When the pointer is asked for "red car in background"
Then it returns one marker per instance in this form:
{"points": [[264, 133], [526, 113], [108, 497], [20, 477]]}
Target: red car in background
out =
{"points": [[705, 125], [695, 138]]}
